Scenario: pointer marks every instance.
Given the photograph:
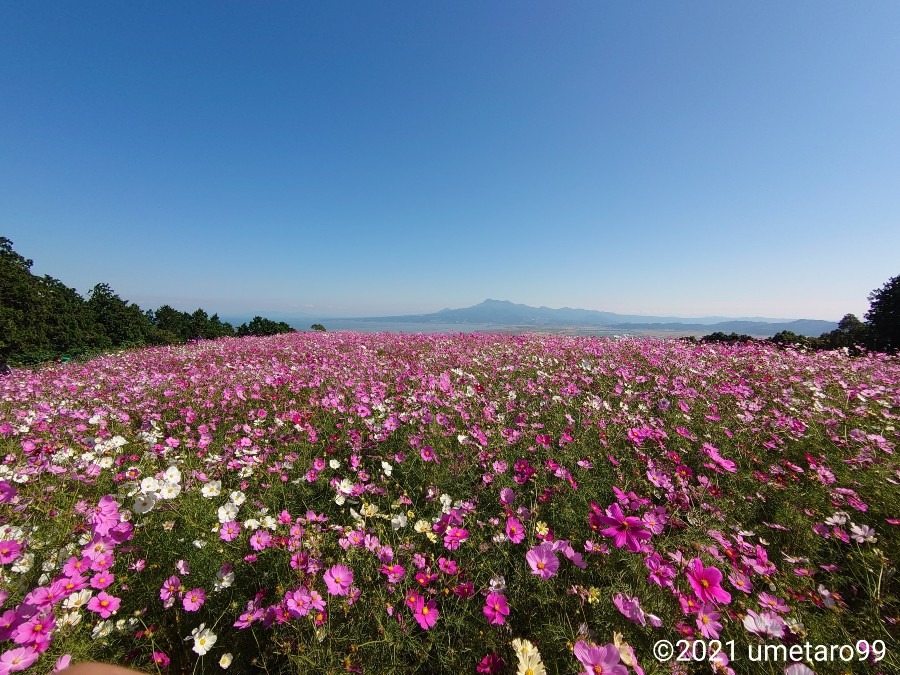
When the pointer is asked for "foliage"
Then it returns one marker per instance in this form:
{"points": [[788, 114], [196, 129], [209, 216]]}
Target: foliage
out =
{"points": [[729, 339], [317, 326], [884, 316], [41, 319], [261, 327]]}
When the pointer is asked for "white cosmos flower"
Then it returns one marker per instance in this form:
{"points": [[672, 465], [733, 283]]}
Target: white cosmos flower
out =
{"points": [[399, 521], [105, 462], [335, 464], [102, 629], [237, 497], [225, 661], [339, 500], [24, 564], [387, 468], [172, 475], [223, 580], [169, 490], [863, 533], [227, 512], [211, 489], [345, 487], [144, 504], [204, 639], [149, 484], [78, 599], [252, 524], [70, 619], [269, 523]]}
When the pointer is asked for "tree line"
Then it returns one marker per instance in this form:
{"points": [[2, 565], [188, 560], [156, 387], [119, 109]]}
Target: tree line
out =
{"points": [[41, 319], [880, 332]]}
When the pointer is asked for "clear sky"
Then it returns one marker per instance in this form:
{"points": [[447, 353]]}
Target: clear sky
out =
{"points": [[363, 158]]}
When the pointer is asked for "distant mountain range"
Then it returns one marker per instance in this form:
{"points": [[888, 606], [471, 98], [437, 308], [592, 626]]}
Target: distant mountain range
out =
{"points": [[502, 313]]}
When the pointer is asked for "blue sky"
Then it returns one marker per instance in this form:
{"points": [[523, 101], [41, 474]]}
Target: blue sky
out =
{"points": [[361, 158]]}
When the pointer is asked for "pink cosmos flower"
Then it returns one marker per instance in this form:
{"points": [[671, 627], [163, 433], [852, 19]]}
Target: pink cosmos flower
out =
{"points": [[298, 602], [766, 624], [708, 622], [428, 455], [394, 572], [36, 631], [514, 530], [161, 659], [767, 601], [454, 537], [338, 579], [102, 580], [260, 540], [105, 515], [492, 663], [627, 531], [496, 609], [170, 587], [448, 566], [706, 582], [597, 659], [230, 530], [543, 561], [62, 663], [17, 659], [741, 582], [104, 604], [193, 600], [75, 566], [426, 613], [9, 551], [101, 562]]}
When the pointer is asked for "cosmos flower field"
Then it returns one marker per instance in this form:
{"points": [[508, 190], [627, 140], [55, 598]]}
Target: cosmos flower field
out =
{"points": [[333, 502]]}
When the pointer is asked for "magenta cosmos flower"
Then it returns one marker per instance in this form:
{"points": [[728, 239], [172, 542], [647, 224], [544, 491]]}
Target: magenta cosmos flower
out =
{"points": [[104, 604], [706, 582], [193, 600], [543, 561], [338, 580], [496, 609], [18, 658], [514, 530], [599, 659], [627, 531], [426, 613]]}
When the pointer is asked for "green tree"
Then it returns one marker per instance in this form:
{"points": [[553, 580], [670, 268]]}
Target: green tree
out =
{"points": [[20, 304], [850, 334], [883, 316], [219, 328], [68, 326], [318, 326], [123, 324], [171, 320], [260, 326], [730, 338]]}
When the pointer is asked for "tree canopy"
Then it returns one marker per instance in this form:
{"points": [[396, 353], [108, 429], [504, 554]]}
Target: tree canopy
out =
{"points": [[883, 316], [42, 319]]}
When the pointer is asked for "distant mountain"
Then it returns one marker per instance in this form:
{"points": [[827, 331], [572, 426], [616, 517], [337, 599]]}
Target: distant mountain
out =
{"points": [[505, 313]]}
